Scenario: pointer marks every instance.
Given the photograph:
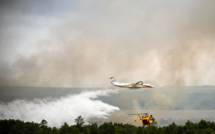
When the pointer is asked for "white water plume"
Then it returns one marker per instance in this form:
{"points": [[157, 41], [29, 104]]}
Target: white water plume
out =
{"points": [[60, 110]]}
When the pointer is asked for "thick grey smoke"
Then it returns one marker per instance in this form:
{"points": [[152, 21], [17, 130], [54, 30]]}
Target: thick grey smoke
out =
{"points": [[164, 43]]}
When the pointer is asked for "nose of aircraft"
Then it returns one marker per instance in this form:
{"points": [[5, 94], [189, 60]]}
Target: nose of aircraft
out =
{"points": [[150, 85]]}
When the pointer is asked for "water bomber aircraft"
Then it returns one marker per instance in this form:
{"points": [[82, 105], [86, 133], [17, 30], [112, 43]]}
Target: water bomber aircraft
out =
{"points": [[138, 84]]}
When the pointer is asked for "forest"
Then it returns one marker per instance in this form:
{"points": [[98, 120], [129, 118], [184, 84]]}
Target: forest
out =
{"points": [[12, 126]]}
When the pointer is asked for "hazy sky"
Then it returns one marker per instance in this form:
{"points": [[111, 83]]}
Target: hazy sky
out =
{"points": [[82, 43]]}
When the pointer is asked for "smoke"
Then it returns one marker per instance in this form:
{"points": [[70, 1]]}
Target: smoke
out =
{"points": [[58, 111], [191, 115], [164, 44]]}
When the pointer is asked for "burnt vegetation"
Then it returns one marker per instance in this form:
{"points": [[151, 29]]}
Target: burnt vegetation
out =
{"points": [[20, 127]]}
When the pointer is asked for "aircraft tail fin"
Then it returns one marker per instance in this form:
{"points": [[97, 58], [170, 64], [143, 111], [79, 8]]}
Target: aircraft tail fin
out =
{"points": [[112, 79]]}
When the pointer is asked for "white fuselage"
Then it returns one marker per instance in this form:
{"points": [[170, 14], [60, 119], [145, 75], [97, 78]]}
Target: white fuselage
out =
{"points": [[132, 85]]}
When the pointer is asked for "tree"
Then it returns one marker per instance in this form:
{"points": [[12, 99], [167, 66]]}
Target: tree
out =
{"points": [[19, 127], [107, 128], [54, 130], [140, 130], [73, 130], [172, 128], [203, 124], [64, 128], [94, 128], [79, 122], [180, 129], [43, 123], [190, 128]]}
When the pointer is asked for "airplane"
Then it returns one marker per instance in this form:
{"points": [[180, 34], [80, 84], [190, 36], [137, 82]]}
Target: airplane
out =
{"points": [[146, 119], [138, 84]]}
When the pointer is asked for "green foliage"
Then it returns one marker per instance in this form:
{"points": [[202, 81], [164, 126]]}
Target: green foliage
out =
{"points": [[94, 129], [79, 121], [107, 128], [140, 130], [20, 127], [124, 128], [171, 129], [43, 123], [54, 130]]}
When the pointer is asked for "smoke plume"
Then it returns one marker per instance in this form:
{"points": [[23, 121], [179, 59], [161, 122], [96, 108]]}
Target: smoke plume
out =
{"points": [[164, 43]]}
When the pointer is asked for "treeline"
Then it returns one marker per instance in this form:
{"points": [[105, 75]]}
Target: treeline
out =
{"points": [[19, 127]]}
